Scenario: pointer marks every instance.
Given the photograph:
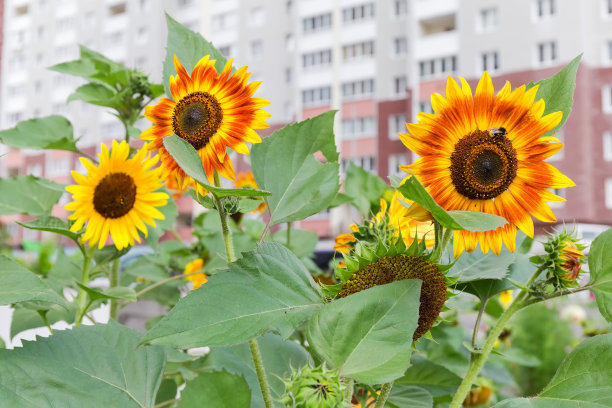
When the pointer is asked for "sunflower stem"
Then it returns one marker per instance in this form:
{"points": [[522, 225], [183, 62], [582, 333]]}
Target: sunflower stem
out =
{"points": [[348, 392], [384, 394], [43, 316], [82, 296], [231, 257], [288, 234], [114, 282], [483, 304], [163, 282]]}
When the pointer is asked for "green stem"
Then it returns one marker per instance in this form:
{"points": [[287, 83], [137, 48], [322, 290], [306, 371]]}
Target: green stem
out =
{"points": [[231, 257], [82, 296], [177, 236], [288, 234], [348, 392], [483, 304], [163, 282], [43, 315], [114, 282], [384, 394]]}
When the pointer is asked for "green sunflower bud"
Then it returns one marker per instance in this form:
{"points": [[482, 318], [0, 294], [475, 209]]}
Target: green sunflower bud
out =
{"points": [[314, 388], [564, 259]]}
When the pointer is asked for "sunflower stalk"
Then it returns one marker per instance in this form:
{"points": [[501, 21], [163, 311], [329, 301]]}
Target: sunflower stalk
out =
{"points": [[163, 282], [82, 304], [114, 282], [384, 394], [231, 257]]}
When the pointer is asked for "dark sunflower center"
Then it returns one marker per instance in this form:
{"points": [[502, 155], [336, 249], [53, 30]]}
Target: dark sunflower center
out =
{"points": [[115, 195], [483, 165], [196, 118], [390, 269]]}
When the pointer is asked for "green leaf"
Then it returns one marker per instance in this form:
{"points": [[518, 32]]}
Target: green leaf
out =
{"points": [[413, 190], [302, 242], [191, 163], [367, 336], [434, 378], [284, 164], [95, 94], [28, 195], [584, 379], [247, 205], [216, 389], [189, 47], [20, 284], [600, 269], [51, 224], [51, 132], [88, 366], [472, 266], [409, 396], [167, 391], [109, 253], [25, 316], [558, 91], [279, 358], [268, 288], [364, 188], [117, 292]]}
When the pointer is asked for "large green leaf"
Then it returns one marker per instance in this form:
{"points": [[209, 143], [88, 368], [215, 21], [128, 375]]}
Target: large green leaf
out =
{"points": [[89, 366], [584, 379], [25, 318], [284, 164], [50, 224], [434, 378], [51, 132], [28, 195], [191, 163], [367, 336], [95, 94], [20, 285], [600, 268], [477, 265], [558, 91], [217, 389], [301, 242], [189, 47], [279, 358], [408, 396], [267, 288], [364, 188], [456, 220]]}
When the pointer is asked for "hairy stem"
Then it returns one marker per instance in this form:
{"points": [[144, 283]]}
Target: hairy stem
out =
{"points": [[483, 304], [114, 282], [384, 394], [82, 296], [231, 257]]}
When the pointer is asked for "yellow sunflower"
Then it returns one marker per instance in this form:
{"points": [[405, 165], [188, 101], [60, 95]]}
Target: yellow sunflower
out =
{"points": [[199, 278], [246, 179], [117, 197], [486, 153], [212, 112]]}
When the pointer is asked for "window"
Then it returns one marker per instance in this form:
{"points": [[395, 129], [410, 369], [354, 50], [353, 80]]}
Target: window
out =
{"points": [[65, 24], [358, 50], [288, 75], [366, 162], [607, 6], [544, 8], [546, 52], [358, 13], [316, 96], [289, 42], [145, 5], [438, 67], [358, 127], [399, 85], [317, 23], [607, 146], [608, 51], [396, 160], [608, 189], [561, 153], [606, 99], [113, 39], [184, 3], [487, 20], [256, 48], [489, 61], [228, 51], [317, 59], [14, 117], [425, 106], [21, 10], [220, 22], [64, 52], [116, 9], [358, 89], [257, 17], [400, 7], [34, 169], [142, 35], [400, 46], [17, 62], [397, 124], [58, 167], [16, 91]]}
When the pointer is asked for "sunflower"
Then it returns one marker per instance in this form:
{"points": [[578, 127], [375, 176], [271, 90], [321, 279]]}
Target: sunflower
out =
{"points": [[212, 112], [117, 197], [246, 179], [486, 153], [199, 278]]}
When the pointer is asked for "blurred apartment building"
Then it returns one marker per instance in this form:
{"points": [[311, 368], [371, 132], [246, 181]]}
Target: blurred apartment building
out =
{"points": [[377, 62]]}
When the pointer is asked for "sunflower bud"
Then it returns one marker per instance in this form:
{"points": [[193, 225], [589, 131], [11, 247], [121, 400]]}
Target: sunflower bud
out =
{"points": [[564, 259], [480, 394], [314, 388]]}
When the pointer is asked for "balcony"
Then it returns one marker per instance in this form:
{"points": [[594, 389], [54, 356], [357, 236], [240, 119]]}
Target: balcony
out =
{"points": [[426, 9]]}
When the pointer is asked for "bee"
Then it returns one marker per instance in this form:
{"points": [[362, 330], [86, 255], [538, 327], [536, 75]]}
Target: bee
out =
{"points": [[495, 132]]}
